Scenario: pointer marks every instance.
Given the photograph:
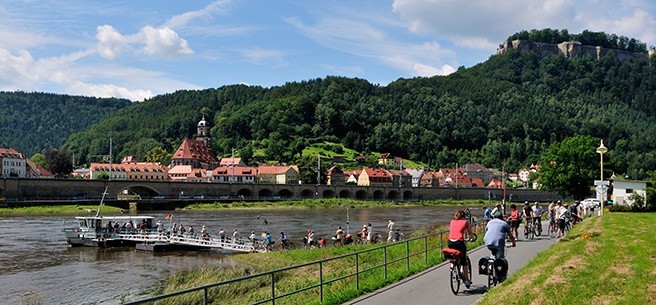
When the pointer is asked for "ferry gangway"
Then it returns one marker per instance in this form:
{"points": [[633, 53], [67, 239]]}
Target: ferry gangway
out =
{"points": [[155, 237]]}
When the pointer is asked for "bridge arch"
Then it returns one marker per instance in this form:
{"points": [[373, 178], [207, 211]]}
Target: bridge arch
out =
{"points": [[361, 194], [265, 193], [407, 195], [328, 194], [345, 194], [285, 193], [141, 190], [393, 194], [378, 194], [307, 193], [245, 192]]}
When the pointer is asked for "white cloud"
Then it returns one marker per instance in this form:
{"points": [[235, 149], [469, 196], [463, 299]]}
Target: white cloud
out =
{"points": [[366, 40], [207, 12], [109, 90], [426, 70], [261, 56], [164, 41], [110, 41], [484, 24]]}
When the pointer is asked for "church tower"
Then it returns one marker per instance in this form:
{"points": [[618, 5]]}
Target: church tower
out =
{"points": [[203, 133]]}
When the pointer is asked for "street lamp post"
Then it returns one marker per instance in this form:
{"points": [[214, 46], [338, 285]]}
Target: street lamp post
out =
{"points": [[601, 150]]}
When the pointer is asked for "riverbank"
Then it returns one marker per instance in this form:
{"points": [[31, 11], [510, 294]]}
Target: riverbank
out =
{"points": [[58, 210], [607, 260]]}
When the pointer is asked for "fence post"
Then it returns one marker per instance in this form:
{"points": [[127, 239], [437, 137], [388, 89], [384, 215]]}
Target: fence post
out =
{"points": [[357, 273], [385, 260], [273, 290], [407, 255], [205, 296], [320, 282], [426, 249]]}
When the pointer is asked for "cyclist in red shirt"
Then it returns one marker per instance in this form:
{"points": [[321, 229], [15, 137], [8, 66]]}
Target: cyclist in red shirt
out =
{"points": [[457, 229], [514, 220]]}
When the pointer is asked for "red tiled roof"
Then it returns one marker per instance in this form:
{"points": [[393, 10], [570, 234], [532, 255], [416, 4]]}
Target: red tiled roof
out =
{"points": [[377, 173], [238, 171], [192, 149], [274, 169], [145, 167], [230, 161], [10, 153]]}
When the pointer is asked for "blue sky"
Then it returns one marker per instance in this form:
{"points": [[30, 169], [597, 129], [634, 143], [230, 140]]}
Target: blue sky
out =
{"points": [[139, 49]]}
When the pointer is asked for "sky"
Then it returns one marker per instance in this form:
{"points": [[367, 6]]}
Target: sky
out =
{"points": [[140, 49]]}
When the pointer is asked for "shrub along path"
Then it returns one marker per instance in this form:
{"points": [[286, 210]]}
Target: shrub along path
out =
{"points": [[432, 285]]}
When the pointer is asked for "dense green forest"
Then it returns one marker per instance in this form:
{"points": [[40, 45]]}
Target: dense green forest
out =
{"points": [[36, 122], [511, 107]]}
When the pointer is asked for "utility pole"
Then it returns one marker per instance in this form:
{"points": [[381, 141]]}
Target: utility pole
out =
{"points": [[401, 173], [318, 169], [232, 164], [110, 159]]}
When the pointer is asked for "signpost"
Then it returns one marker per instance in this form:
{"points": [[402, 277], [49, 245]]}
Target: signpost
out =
{"points": [[602, 188]]}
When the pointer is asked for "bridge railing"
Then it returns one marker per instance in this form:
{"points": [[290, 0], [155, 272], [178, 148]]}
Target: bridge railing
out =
{"points": [[424, 251]]}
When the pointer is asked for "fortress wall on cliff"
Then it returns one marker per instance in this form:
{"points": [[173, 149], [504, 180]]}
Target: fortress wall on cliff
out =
{"points": [[569, 49]]}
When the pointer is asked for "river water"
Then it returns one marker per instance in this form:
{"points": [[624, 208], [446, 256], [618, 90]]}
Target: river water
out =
{"points": [[39, 267]]}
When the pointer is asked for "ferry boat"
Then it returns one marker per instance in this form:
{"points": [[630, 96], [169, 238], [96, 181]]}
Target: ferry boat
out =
{"points": [[107, 231]]}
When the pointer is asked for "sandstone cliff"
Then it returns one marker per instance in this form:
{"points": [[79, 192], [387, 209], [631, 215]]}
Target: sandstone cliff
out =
{"points": [[570, 49]]}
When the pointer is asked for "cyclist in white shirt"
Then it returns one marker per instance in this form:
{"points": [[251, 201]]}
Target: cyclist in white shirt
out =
{"points": [[537, 213]]}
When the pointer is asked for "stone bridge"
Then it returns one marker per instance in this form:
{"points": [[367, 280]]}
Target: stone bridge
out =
{"points": [[62, 189]]}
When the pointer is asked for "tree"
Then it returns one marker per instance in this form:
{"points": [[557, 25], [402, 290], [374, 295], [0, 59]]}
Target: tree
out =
{"points": [[158, 155], [58, 163], [102, 176], [570, 167], [39, 159]]}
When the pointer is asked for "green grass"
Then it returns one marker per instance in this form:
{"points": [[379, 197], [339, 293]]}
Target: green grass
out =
{"points": [[58, 210], [254, 290], [609, 260]]}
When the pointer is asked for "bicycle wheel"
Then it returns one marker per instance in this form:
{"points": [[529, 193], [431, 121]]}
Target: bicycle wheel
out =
{"points": [[531, 232], [291, 246], [538, 228], [455, 278], [491, 274]]}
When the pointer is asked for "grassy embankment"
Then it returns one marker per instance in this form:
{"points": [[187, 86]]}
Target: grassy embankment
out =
{"points": [[602, 261], [254, 290], [58, 210]]}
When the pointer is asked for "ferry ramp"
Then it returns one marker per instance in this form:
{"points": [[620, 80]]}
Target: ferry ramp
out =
{"points": [[163, 240]]}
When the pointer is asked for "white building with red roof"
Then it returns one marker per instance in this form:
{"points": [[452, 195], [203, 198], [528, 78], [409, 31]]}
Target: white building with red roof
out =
{"points": [[12, 163], [234, 174]]}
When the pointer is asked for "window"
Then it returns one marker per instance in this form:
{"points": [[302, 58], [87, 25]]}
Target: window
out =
{"points": [[629, 191]]}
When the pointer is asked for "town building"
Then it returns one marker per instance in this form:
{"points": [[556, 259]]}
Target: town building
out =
{"points": [[12, 163], [336, 176], [234, 174], [129, 169], [625, 190], [430, 179], [475, 170], [278, 174], [416, 174], [37, 171], [196, 153], [401, 178], [375, 177]]}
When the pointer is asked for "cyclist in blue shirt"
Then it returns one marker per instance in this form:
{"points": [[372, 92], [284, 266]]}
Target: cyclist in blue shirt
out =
{"points": [[495, 236]]}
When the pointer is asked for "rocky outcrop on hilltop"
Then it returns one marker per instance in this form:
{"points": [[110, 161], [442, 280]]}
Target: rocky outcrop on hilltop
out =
{"points": [[571, 49]]}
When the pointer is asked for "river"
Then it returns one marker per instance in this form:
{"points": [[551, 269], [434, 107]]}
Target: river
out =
{"points": [[39, 267]]}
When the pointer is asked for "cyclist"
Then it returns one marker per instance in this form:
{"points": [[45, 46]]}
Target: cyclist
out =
{"points": [[514, 220], [487, 214], [574, 213], [537, 214], [527, 213], [267, 240], [283, 240], [561, 216], [495, 236], [457, 229], [339, 235]]}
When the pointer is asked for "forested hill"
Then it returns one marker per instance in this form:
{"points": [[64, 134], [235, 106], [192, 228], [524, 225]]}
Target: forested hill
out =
{"points": [[511, 107], [34, 122]]}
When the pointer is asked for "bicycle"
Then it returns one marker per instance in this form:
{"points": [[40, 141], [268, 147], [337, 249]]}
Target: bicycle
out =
{"points": [[496, 270], [553, 228], [287, 245], [456, 268], [529, 230], [537, 226]]}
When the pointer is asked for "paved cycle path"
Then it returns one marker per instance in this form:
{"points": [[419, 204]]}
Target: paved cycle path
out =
{"points": [[432, 286]]}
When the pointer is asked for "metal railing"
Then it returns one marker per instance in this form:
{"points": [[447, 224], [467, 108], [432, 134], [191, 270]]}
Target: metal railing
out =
{"points": [[414, 247]]}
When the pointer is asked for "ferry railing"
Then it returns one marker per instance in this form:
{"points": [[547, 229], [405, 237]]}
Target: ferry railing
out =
{"points": [[426, 245]]}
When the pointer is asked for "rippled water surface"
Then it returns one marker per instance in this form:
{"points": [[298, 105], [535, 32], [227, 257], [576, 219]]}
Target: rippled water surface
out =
{"points": [[38, 265]]}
